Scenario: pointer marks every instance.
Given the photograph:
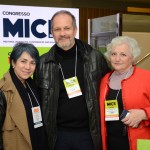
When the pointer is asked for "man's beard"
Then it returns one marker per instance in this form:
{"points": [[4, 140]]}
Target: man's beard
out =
{"points": [[67, 45]]}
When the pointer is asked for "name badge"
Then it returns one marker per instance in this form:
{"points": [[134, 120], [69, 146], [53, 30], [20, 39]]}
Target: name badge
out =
{"points": [[72, 87], [37, 118], [111, 110]]}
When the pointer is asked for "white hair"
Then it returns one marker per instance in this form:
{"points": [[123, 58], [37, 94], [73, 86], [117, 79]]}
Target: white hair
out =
{"points": [[132, 43]]}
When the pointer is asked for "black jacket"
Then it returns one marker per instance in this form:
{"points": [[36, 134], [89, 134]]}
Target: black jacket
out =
{"points": [[2, 115], [47, 79]]}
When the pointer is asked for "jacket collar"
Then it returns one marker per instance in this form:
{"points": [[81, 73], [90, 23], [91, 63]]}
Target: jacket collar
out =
{"points": [[83, 48]]}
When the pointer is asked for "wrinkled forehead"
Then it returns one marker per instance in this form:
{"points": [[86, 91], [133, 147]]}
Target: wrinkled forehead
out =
{"points": [[123, 47], [62, 19]]}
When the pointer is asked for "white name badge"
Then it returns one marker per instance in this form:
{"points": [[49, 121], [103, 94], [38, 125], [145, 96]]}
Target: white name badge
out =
{"points": [[72, 87], [111, 110], [37, 118]]}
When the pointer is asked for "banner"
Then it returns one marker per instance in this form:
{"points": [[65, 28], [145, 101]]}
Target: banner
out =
{"points": [[27, 24]]}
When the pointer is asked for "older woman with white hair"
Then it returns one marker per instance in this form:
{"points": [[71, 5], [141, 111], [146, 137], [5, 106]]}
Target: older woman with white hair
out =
{"points": [[124, 98]]}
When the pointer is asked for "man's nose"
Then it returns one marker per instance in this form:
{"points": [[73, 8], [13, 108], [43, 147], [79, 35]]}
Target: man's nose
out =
{"points": [[62, 32]]}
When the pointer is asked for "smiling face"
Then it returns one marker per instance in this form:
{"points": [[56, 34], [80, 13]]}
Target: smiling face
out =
{"points": [[63, 31], [24, 67], [121, 58]]}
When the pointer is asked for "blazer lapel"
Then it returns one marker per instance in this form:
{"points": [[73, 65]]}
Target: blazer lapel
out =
{"points": [[18, 114]]}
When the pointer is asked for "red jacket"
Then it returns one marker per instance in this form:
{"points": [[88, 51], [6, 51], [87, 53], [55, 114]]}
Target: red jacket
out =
{"points": [[135, 95]]}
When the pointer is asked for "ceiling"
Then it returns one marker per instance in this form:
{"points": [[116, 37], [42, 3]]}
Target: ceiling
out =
{"points": [[120, 4], [135, 1], [112, 3]]}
